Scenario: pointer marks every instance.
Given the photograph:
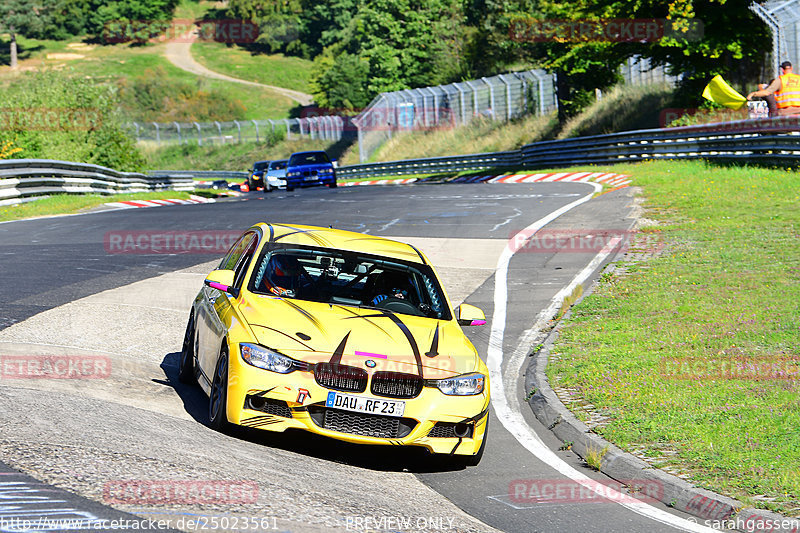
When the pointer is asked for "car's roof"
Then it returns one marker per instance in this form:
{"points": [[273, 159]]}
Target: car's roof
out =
{"points": [[311, 152], [341, 240], [262, 161]]}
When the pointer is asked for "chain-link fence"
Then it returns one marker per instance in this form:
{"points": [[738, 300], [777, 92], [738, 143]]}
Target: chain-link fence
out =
{"points": [[783, 19], [236, 131], [639, 71], [501, 97]]}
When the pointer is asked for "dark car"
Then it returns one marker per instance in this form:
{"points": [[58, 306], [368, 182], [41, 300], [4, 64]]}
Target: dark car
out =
{"points": [[256, 178], [307, 169]]}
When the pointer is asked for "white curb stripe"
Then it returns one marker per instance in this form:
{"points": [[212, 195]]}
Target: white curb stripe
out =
{"points": [[512, 419]]}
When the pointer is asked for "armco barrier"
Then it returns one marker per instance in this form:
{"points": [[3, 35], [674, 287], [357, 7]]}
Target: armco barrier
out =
{"points": [[23, 180], [774, 140]]}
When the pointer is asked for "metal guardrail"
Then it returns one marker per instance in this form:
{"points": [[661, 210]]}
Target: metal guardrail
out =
{"points": [[775, 140], [433, 165], [23, 180]]}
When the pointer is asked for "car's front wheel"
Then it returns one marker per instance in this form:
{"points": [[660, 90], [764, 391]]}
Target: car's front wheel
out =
{"points": [[186, 365], [218, 400], [332, 185]]}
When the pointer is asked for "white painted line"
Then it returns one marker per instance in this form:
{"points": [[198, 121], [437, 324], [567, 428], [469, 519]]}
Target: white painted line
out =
{"points": [[507, 408]]}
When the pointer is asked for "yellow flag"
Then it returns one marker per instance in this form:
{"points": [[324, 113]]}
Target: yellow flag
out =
{"points": [[720, 92]]}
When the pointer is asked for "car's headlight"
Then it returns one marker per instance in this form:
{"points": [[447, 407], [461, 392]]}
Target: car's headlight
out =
{"points": [[325, 170], [466, 385], [292, 174], [265, 358]]}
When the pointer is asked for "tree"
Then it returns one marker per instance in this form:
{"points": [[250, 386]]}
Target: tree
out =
{"points": [[394, 45], [126, 20], [22, 17]]}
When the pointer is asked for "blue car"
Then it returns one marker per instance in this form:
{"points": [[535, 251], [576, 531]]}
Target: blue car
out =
{"points": [[307, 169]]}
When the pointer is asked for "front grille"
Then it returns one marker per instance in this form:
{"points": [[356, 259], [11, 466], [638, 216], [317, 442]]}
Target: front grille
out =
{"points": [[268, 405], [396, 385], [384, 427], [340, 377], [447, 430]]}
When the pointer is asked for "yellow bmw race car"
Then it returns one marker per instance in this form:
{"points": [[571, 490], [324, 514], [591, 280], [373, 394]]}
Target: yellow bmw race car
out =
{"points": [[342, 334]]}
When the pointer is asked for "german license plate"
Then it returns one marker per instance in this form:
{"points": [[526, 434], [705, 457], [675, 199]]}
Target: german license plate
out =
{"points": [[360, 404], [310, 178]]}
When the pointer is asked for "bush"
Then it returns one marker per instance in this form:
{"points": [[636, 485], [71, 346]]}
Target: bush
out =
{"points": [[51, 115], [155, 97]]}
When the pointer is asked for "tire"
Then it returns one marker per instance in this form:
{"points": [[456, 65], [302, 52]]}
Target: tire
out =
{"points": [[268, 188], [186, 373], [333, 185], [289, 189], [218, 399]]}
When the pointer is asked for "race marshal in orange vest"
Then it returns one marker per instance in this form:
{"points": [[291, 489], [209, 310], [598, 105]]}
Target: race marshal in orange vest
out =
{"points": [[786, 89]]}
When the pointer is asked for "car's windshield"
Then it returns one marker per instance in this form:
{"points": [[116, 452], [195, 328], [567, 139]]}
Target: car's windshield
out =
{"points": [[311, 158], [277, 165], [261, 166], [350, 279]]}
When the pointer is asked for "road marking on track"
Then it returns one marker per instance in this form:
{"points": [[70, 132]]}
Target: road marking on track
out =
{"points": [[507, 409]]}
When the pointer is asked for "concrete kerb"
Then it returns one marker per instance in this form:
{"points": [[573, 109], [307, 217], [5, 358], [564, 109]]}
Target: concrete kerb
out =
{"points": [[619, 465]]}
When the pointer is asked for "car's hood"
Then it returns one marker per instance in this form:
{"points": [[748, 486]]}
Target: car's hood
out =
{"points": [[316, 332]]}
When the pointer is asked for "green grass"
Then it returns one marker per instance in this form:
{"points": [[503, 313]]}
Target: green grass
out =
{"points": [[228, 156], [623, 108], [480, 135], [270, 69], [725, 287], [124, 61], [62, 204], [192, 9]]}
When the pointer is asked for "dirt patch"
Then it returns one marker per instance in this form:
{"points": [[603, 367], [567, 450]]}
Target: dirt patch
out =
{"points": [[66, 55]]}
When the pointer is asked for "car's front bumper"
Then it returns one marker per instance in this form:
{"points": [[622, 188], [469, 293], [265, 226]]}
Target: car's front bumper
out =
{"points": [[276, 402]]}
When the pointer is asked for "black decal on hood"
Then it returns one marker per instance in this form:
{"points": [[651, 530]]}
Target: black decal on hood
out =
{"points": [[365, 317], [337, 353], [303, 336], [263, 392], [413, 343], [434, 351], [287, 335], [303, 312]]}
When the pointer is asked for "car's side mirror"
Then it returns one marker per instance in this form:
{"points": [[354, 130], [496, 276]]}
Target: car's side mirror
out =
{"points": [[222, 280], [469, 315]]}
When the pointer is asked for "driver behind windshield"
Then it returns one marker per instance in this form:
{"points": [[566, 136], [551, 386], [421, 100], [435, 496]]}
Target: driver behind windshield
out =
{"points": [[391, 285], [283, 276]]}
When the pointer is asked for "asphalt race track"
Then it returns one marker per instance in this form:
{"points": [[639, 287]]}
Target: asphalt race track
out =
{"points": [[68, 291]]}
